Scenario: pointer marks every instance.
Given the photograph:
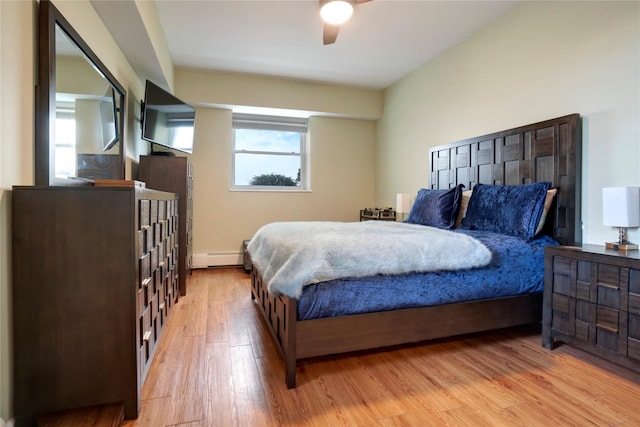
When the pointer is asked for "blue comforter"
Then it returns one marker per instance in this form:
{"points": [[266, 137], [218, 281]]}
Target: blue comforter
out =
{"points": [[517, 268], [292, 255]]}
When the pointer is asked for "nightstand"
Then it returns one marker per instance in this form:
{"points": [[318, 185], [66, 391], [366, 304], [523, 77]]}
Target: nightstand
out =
{"points": [[592, 302], [377, 214]]}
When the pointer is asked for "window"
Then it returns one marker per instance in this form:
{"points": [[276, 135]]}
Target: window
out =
{"points": [[269, 152], [65, 141]]}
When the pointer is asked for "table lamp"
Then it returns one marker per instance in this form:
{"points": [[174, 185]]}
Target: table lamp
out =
{"points": [[403, 203], [621, 208]]}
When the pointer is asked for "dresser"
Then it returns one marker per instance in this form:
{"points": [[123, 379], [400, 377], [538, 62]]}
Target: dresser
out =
{"points": [[592, 302], [174, 174], [94, 279]]}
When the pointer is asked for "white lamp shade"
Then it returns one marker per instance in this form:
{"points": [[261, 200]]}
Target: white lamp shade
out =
{"points": [[336, 12], [621, 206], [403, 203]]}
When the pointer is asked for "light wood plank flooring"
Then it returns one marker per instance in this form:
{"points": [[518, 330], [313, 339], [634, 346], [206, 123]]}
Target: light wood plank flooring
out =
{"points": [[216, 366]]}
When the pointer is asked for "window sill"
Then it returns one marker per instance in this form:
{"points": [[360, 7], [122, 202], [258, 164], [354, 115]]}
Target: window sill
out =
{"points": [[267, 190]]}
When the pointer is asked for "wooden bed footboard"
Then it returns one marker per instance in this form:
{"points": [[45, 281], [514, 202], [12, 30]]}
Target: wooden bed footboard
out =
{"points": [[279, 314], [304, 339]]}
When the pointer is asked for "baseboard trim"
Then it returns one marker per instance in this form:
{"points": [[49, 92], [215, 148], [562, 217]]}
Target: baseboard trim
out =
{"points": [[216, 259]]}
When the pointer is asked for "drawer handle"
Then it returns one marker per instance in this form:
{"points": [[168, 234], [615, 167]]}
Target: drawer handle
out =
{"points": [[161, 306], [147, 336], [607, 328], [609, 286], [145, 227], [146, 281], [161, 264]]}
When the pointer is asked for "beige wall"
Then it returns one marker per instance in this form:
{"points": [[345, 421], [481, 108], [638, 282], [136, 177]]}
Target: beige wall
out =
{"points": [[342, 150], [16, 154], [214, 88], [150, 19], [541, 60]]}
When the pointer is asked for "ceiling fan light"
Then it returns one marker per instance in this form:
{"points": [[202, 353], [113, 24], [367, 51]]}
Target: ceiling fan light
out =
{"points": [[336, 12]]}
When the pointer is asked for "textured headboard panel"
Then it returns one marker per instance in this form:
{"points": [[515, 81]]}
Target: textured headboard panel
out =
{"points": [[544, 151]]}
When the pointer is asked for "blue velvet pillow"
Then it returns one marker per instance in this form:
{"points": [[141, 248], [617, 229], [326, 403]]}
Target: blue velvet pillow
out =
{"points": [[506, 209], [436, 208]]}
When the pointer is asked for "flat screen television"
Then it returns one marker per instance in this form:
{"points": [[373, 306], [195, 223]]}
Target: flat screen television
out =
{"points": [[109, 120], [166, 120]]}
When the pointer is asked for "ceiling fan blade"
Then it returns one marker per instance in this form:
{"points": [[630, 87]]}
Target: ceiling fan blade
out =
{"points": [[330, 33]]}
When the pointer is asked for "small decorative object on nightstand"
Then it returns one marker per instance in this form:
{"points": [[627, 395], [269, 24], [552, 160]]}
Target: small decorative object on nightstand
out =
{"points": [[621, 208], [592, 301], [386, 214]]}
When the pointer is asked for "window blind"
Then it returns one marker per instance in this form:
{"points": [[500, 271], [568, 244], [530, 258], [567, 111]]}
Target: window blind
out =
{"points": [[253, 121]]}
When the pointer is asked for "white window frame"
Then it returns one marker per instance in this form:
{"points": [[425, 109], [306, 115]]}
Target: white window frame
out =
{"points": [[66, 111], [276, 123]]}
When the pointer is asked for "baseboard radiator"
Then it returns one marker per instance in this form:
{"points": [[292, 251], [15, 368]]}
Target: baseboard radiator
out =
{"points": [[216, 259]]}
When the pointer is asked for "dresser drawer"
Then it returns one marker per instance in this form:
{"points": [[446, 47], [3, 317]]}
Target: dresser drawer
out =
{"points": [[162, 210], [144, 214], [634, 326], [145, 269], [634, 304], [633, 349]]}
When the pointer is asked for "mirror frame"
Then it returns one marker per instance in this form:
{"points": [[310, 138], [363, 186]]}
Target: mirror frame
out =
{"points": [[45, 102]]}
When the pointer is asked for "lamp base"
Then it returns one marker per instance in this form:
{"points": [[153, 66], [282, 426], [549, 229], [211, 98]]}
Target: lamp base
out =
{"points": [[622, 246]]}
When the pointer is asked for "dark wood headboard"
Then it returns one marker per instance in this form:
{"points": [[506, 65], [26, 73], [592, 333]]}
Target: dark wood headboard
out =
{"points": [[544, 151]]}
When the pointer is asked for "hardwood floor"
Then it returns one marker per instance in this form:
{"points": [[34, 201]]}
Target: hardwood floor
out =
{"points": [[216, 366]]}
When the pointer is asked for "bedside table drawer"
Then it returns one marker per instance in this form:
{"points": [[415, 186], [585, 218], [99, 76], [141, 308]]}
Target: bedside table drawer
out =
{"points": [[562, 269], [589, 323], [611, 330], [562, 312], [633, 343], [608, 296]]}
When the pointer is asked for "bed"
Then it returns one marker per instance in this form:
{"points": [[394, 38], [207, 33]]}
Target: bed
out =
{"points": [[547, 151]]}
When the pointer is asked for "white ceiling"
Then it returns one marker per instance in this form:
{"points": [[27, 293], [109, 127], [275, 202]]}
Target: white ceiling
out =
{"points": [[384, 40]]}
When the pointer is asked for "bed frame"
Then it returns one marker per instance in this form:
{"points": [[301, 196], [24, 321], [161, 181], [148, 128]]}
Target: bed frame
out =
{"points": [[544, 151]]}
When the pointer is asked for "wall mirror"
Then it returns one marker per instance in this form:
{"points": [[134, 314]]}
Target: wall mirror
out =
{"points": [[79, 108]]}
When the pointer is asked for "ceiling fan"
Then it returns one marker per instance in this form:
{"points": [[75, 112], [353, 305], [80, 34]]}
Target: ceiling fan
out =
{"points": [[334, 13]]}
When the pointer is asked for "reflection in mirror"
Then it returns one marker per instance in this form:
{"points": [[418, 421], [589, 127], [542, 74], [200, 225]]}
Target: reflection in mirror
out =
{"points": [[80, 108], [86, 135]]}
